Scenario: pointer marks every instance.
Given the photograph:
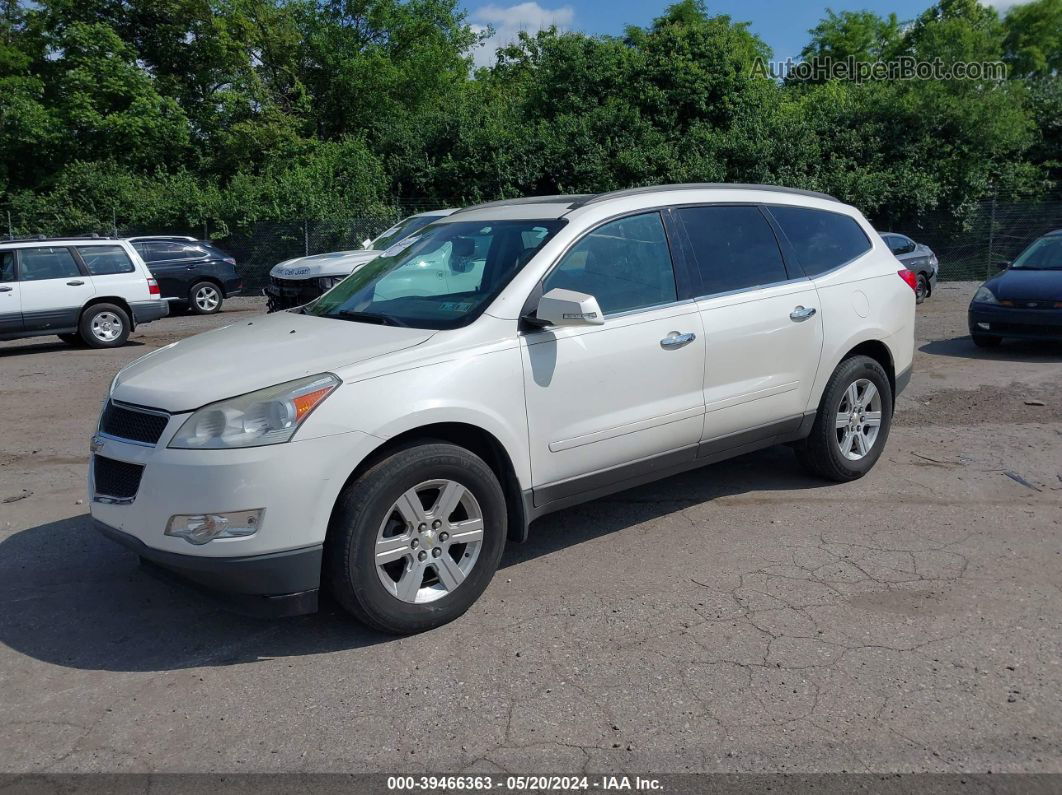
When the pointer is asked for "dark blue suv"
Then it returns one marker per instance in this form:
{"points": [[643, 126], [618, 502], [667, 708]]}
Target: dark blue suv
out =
{"points": [[192, 273]]}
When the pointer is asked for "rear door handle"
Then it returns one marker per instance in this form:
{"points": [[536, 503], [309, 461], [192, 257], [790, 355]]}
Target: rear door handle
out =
{"points": [[801, 313], [677, 340], [74, 283]]}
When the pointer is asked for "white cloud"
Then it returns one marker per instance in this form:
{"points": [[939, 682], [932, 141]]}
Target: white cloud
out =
{"points": [[508, 21]]}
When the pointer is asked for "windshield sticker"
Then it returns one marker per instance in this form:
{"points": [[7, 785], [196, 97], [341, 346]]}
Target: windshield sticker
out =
{"points": [[400, 246], [455, 306]]}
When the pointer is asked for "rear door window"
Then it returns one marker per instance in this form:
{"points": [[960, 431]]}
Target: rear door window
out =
{"points": [[7, 266], [733, 247], [823, 240], [106, 260], [165, 250], [46, 262]]}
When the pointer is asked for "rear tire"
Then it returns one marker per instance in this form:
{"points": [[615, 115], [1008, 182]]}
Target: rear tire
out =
{"points": [[205, 298], [921, 289], [843, 452], [384, 556], [985, 340], [104, 326]]}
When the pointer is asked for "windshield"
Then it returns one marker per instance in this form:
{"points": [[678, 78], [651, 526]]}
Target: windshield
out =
{"points": [[403, 228], [1044, 254], [440, 278]]}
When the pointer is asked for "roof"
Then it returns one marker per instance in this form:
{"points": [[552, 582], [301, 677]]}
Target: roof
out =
{"points": [[163, 237], [558, 205]]}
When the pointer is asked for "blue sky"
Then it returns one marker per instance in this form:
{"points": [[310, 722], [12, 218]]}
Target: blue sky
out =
{"points": [[783, 25]]}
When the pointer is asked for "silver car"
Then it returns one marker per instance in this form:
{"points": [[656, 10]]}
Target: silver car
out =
{"points": [[916, 257]]}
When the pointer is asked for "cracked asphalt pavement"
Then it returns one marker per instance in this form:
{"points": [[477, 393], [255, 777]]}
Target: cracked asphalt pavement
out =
{"points": [[743, 617]]}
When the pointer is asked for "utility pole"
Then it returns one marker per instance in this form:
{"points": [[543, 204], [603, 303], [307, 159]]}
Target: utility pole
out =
{"points": [[991, 237]]}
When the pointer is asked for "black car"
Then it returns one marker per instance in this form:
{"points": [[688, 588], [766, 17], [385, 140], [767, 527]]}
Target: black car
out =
{"points": [[1023, 301], [193, 273]]}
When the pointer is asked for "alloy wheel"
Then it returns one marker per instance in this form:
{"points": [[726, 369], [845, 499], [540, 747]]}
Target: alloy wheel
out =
{"points": [[107, 327], [207, 298], [858, 419], [429, 541]]}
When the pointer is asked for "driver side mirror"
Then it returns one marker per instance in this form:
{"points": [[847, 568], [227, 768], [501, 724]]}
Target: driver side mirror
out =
{"points": [[560, 307], [1002, 266]]}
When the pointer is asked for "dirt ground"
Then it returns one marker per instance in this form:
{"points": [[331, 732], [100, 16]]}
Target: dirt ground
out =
{"points": [[744, 617]]}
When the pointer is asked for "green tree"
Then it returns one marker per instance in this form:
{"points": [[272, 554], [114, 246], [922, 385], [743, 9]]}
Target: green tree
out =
{"points": [[1033, 40], [862, 35]]}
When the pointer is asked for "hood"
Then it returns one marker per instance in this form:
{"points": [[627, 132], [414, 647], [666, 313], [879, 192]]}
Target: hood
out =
{"points": [[336, 263], [1017, 283], [254, 354]]}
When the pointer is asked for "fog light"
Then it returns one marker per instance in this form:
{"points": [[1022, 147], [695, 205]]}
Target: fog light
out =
{"points": [[984, 326], [200, 528]]}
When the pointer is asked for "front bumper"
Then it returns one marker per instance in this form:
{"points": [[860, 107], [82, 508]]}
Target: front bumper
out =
{"points": [[296, 484], [146, 311], [275, 585], [1001, 321], [289, 293]]}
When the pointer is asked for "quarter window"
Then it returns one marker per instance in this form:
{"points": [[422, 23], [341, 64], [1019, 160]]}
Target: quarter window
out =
{"points": [[105, 260], [625, 264], [822, 240], [734, 248], [53, 262]]}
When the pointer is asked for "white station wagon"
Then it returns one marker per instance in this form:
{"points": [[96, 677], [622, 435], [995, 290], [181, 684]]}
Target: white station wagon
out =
{"points": [[386, 443]]}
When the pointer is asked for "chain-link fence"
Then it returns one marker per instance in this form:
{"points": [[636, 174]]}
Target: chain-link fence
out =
{"points": [[969, 243]]}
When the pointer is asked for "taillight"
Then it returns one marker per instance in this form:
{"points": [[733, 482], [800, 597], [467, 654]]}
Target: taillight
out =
{"points": [[153, 287], [910, 277]]}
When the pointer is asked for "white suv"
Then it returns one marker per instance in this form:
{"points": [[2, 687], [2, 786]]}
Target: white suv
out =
{"points": [[85, 290], [387, 443]]}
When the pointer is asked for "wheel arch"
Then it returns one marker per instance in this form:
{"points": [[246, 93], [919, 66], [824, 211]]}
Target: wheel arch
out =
{"points": [[879, 352], [108, 299], [475, 439]]}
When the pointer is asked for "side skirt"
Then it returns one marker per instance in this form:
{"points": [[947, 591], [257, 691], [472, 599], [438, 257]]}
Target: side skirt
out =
{"points": [[552, 497]]}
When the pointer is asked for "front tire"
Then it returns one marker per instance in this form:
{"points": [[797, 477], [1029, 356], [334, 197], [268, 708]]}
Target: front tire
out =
{"points": [[416, 539], [205, 298], [852, 423], [104, 326]]}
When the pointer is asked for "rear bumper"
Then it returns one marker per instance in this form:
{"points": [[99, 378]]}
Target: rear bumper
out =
{"points": [[1040, 324], [146, 311], [276, 584]]}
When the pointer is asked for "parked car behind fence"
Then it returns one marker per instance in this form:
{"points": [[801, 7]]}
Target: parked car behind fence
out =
{"points": [[191, 273]]}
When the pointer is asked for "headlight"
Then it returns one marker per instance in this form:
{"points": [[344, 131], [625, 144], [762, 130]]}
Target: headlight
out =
{"points": [[933, 260], [984, 296], [268, 416], [328, 282]]}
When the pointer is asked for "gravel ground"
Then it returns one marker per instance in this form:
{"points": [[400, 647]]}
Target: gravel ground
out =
{"points": [[744, 617]]}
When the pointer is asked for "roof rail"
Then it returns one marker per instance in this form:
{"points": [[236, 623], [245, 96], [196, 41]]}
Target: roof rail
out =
{"points": [[45, 238], [556, 199], [617, 194]]}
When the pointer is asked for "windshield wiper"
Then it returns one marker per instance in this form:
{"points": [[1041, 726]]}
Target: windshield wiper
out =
{"points": [[370, 317]]}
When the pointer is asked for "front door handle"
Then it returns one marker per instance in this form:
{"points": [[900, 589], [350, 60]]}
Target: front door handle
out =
{"points": [[677, 340], [802, 313], [5, 289], [74, 283]]}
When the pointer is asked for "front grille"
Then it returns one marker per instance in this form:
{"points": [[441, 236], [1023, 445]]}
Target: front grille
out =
{"points": [[133, 424], [116, 479]]}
